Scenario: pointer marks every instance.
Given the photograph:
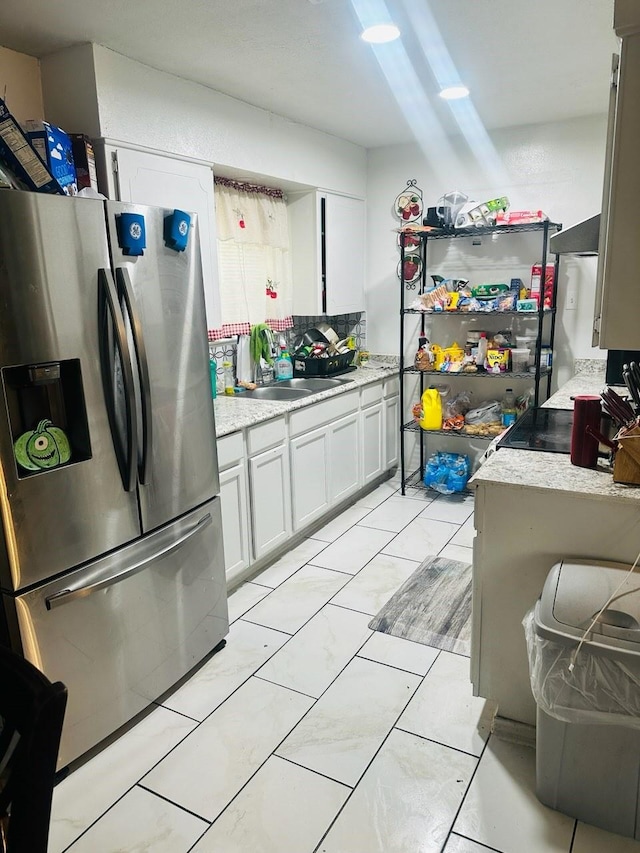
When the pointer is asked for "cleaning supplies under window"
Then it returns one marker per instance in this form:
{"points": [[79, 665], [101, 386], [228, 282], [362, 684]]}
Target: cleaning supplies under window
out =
{"points": [[229, 378], [284, 367]]}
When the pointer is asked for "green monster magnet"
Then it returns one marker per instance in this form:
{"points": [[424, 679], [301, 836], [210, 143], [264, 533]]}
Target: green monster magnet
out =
{"points": [[44, 447]]}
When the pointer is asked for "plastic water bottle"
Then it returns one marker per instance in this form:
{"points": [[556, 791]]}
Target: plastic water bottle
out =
{"points": [[508, 408]]}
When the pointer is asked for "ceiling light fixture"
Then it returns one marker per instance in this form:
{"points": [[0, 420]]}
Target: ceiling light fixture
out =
{"points": [[380, 34], [454, 93]]}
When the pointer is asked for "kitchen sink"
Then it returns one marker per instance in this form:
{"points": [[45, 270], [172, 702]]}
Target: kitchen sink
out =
{"points": [[277, 392], [296, 389], [314, 383]]}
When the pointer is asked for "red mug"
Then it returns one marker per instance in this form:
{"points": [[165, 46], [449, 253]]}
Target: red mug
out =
{"points": [[586, 418]]}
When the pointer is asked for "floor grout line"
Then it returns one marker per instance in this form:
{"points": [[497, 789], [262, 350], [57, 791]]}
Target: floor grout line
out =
{"points": [[464, 798], [277, 683], [172, 802], [439, 742], [473, 841], [310, 770]]}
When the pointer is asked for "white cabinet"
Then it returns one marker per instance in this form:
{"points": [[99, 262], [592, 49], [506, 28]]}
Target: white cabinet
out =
{"points": [[615, 325], [235, 520], [372, 444], [344, 468], [270, 490], [309, 476], [127, 174], [325, 469], [391, 431], [328, 274]]}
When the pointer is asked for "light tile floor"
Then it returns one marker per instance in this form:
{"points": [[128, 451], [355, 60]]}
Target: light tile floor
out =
{"points": [[309, 733]]}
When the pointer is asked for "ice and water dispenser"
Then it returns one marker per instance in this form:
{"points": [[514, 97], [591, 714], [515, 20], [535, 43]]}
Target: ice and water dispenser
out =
{"points": [[47, 415]]}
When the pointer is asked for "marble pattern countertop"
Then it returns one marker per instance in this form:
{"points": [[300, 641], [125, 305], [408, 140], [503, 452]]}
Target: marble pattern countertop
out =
{"points": [[584, 383], [554, 471], [237, 412]]}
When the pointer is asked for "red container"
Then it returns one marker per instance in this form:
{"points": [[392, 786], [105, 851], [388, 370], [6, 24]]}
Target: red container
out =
{"points": [[584, 447]]}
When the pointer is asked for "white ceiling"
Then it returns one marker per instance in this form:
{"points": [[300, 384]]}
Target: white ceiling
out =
{"points": [[525, 61]]}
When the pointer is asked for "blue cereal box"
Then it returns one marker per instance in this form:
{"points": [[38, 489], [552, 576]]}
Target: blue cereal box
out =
{"points": [[17, 152], [56, 151]]}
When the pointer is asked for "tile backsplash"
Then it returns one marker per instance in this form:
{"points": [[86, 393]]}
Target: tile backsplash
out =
{"points": [[345, 325]]}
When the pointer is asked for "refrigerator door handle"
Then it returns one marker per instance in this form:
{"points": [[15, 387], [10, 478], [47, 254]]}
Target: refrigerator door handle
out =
{"points": [[64, 596], [126, 291], [108, 305]]}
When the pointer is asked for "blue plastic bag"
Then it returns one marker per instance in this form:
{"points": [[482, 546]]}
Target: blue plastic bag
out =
{"points": [[447, 472]]}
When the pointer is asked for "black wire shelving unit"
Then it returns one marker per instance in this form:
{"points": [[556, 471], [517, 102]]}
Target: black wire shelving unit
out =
{"points": [[538, 375]]}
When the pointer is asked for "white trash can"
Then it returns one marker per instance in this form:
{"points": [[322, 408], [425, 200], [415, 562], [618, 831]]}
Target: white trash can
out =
{"points": [[588, 719]]}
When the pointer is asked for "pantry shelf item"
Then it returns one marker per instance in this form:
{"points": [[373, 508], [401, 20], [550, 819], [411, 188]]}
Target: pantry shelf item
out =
{"points": [[517, 350]]}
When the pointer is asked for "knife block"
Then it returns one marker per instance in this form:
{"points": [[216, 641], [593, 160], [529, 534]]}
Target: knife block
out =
{"points": [[626, 465]]}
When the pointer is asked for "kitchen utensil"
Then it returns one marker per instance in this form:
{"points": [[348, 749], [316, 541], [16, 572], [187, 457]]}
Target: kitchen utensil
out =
{"points": [[330, 334], [595, 433], [617, 407], [629, 379], [586, 419], [634, 370]]}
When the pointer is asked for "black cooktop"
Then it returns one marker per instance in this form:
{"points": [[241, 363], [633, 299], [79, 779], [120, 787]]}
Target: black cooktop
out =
{"points": [[541, 429]]}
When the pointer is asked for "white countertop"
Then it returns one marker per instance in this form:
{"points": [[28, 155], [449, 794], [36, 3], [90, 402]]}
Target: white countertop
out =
{"points": [[554, 471], [237, 412]]}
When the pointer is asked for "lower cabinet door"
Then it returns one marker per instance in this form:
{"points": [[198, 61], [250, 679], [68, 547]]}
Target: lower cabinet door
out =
{"points": [[391, 431], [344, 470], [235, 520], [309, 476], [270, 490], [372, 442]]}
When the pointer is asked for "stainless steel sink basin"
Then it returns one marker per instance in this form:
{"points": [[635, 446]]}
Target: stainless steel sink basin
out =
{"points": [[276, 392], [295, 389], [314, 383]]}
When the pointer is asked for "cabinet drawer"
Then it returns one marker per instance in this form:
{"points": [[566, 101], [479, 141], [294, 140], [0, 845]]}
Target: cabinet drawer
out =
{"points": [[323, 413], [266, 435], [371, 394], [230, 450], [392, 386]]}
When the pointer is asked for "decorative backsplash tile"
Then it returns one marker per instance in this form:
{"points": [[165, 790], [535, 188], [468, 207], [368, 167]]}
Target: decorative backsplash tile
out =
{"points": [[222, 351], [345, 325]]}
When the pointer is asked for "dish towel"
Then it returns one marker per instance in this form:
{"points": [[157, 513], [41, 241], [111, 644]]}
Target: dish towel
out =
{"points": [[260, 343]]}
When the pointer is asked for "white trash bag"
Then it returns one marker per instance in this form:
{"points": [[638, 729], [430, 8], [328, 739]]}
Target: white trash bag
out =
{"points": [[603, 688]]}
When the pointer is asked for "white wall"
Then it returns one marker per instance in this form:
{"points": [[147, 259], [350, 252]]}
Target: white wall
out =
{"points": [[555, 167], [20, 76], [145, 107]]}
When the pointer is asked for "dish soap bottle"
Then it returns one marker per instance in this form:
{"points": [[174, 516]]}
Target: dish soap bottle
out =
{"points": [[229, 379], [508, 408], [284, 368]]}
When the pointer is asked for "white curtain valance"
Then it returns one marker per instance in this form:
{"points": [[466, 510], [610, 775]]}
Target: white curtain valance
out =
{"points": [[253, 260]]}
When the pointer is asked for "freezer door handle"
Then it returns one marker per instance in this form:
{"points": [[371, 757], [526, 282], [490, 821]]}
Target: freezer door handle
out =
{"points": [[108, 306], [64, 596], [125, 290]]}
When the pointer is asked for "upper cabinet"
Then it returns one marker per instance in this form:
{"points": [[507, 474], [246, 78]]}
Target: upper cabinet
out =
{"points": [[327, 252], [618, 296], [126, 174]]}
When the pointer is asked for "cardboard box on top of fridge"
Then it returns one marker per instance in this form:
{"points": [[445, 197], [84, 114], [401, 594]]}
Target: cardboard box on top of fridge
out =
{"points": [[19, 155], [56, 152], [85, 161]]}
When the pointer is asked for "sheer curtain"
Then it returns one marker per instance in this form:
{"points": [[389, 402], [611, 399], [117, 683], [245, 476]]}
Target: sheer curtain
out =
{"points": [[253, 258]]}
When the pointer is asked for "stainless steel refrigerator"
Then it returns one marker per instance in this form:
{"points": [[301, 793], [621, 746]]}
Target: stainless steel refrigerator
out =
{"points": [[111, 562]]}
